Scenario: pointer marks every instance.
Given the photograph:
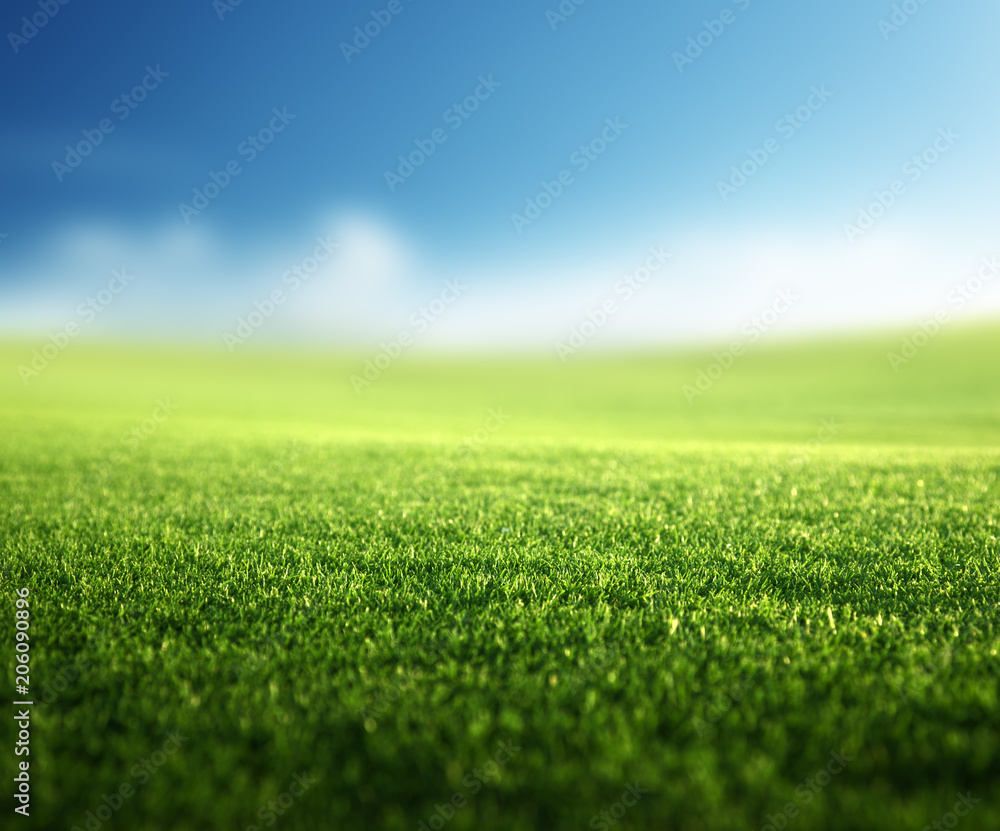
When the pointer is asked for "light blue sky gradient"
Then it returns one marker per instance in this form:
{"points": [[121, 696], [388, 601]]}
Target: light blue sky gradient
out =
{"points": [[547, 87]]}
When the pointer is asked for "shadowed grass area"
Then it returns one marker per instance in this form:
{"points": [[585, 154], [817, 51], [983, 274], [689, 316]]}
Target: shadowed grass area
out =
{"points": [[701, 601]]}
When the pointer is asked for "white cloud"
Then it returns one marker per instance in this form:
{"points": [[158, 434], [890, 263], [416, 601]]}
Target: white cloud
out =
{"points": [[192, 282]]}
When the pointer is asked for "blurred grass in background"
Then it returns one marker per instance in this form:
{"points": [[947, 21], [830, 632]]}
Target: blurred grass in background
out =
{"points": [[949, 394]]}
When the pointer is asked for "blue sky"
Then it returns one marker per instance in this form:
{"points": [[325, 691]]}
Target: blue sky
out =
{"points": [[552, 86]]}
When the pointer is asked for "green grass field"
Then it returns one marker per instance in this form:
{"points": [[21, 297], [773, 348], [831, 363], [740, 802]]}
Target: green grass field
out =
{"points": [[700, 603]]}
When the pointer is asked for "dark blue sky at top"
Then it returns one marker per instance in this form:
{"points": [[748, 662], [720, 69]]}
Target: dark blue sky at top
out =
{"points": [[352, 119]]}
